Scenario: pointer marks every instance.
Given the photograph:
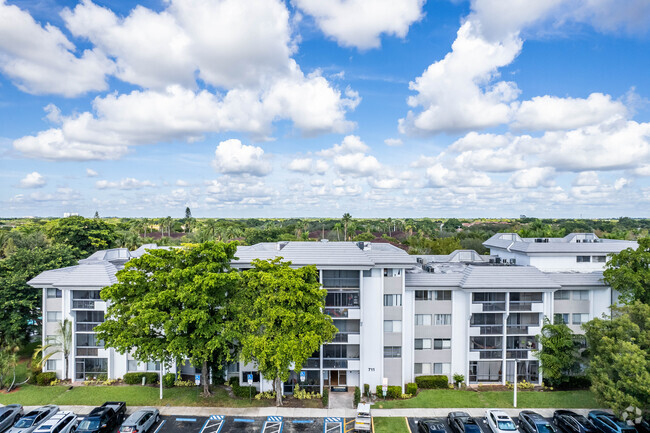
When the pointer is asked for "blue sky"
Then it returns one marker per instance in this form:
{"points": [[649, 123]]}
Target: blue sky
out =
{"points": [[243, 108]]}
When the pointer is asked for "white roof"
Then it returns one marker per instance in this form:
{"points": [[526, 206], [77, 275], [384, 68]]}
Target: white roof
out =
{"points": [[585, 243]]}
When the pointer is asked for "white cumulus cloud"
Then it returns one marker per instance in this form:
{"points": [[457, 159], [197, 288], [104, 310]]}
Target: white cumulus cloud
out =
{"points": [[124, 184], [233, 157], [32, 180]]}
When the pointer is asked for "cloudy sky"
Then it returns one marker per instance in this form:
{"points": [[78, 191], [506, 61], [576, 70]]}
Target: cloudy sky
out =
{"points": [[264, 108]]}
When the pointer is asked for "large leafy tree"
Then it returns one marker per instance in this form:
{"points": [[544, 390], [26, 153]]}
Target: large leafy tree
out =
{"points": [[628, 272], [20, 304], [169, 304], [620, 357], [86, 234], [278, 318], [559, 354]]}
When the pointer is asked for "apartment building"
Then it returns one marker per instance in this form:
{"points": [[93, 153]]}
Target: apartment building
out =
{"points": [[398, 316]]}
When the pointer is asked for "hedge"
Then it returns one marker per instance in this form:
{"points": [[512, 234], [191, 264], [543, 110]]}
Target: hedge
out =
{"points": [[168, 380], [391, 392], [572, 382], [136, 378], [326, 396], [411, 388], [432, 382], [357, 396], [366, 390], [241, 391], [45, 379]]}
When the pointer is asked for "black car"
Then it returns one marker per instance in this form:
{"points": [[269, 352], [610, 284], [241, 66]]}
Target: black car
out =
{"points": [[434, 425], [532, 422], [643, 427], [461, 422], [103, 419], [570, 422]]}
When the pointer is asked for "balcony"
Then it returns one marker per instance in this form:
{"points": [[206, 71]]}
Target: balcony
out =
{"points": [[87, 351], [312, 363], [83, 305], [517, 330], [335, 363]]}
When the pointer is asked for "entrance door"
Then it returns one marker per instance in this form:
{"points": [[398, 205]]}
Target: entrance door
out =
{"points": [[338, 380]]}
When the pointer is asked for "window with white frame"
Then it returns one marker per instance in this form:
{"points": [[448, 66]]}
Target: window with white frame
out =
{"points": [[441, 368], [54, 293], [562, 295], [392, 300], [581, 295], [422, 343], [599, 259], [392, 326], [132, 365], [443, 319], [52, 365], [392, 351], [442, 295], [580, 318], [583, 259], [561, 318], [422, 368], [423, 295], [441, 343], [54, 316], [392, 272], [423, 319]]}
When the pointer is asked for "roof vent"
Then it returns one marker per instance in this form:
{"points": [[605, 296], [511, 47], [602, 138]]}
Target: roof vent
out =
{"points": [[324, 240], [282, 244]]}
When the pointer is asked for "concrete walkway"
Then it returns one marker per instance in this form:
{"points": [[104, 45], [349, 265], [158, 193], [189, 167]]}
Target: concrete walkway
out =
{"points": [[311, 413], [341, 400]]}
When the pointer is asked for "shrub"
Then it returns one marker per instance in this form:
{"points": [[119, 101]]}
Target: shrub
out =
{"points": [[572, 382], [522, 385], [432, 382], [405, 396], [150, 378], [459, 378], [168, 380], [326, 396], [45, 379], [266, 395], [357, 396], [241, 391], [34, 375], [366, 390], [136, 378], [184, 383], [411, 388], [391, 392]]}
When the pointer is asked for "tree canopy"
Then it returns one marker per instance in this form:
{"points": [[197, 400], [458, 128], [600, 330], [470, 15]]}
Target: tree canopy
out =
{"points": [[628, 272], [620, 357], [559, 353], [86, 234], [279, 319]]}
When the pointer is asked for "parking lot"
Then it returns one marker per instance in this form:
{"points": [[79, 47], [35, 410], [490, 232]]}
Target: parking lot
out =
{"points": [[480, 421], [242, 424]]}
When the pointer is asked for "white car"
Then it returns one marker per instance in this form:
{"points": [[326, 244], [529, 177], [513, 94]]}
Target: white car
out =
{"points": [[61, 422], [500, 422]]}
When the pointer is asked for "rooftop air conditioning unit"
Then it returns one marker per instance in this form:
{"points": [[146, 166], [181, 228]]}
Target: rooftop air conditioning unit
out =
{"points": [[498, 260], [513, 261]]}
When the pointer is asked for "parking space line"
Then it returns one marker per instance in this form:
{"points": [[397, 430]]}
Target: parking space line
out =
{"points": [[347, 423], [273, 424], [186, 419], [243, 420], [160, 426], [213, 424], [333, 425], [302, 421]]}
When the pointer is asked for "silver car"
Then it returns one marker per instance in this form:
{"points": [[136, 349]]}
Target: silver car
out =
{"points": [[140, 421], [9, 415], [34, 419]]}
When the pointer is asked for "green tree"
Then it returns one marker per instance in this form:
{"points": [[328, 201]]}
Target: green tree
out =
{"points": [[559, 354], [346, 221], [628, 272], [20, 304], [619, 348], [279, 319], [8, 364], [87, 235], [168, 304], [60, 342]]}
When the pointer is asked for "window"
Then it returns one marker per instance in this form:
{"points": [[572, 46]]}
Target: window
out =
{"points": [[89, 340], [86, 294], [526, 297], [132, 365], [392, 300], [342, 299], [422, 368], [54, 293], [256, 376], [392, 272], [442, 295], [599, 259], [90, 316], [392, 326], [153, 366], [90, 367], [340, 278], [480, 298], [51, 365], [54, 316], [485, 371], [347, 326], [367, 273], [422, 343], [485, 343], [342, 351], [423, 295], [423, 319], [443, 319], [441, 368], [561, 318], [562, 295], [583, 259], [441, 343], [392, 352], [581, 295], [580, 318]]}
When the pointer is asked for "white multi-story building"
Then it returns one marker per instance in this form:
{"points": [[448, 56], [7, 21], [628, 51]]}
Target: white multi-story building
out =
{"points": [[398, 316]]}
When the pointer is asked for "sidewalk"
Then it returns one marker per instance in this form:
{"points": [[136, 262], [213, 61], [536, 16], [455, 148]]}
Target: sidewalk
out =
{"points": [[309, 413]]}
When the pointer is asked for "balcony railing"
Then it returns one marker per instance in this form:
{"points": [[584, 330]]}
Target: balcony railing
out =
{"points": [[340, 338], [86, 327], [83, 305], [494, 306], [337, 312], [312, 363], [491, 329], [517, 329], [521, 306], [335, 363], [87, 351]]}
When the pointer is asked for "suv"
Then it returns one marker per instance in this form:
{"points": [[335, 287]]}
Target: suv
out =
{"points": [[62, 422], [608, 423], [363, 420], [140, 421], [500, 422], [461, 422], [9, 415], [34, 419], [571, 422], [532, 422], [103, 419]]}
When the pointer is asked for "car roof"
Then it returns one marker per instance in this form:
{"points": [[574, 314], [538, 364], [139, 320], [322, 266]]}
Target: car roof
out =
{"points": [[499, 413], [47, 425], [533, 415], [137, 414]]}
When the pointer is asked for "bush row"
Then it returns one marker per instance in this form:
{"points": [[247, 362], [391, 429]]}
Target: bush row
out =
{"points": [[357, 395], [572, 382], [45, 379], [326, 397], [411, 388], [241, 391], [136, 378], [432, 382], [391, 392]]}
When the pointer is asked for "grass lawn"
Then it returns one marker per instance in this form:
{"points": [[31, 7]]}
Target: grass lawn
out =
{"points": [[29, 395], [390, 425], [493, 399]]}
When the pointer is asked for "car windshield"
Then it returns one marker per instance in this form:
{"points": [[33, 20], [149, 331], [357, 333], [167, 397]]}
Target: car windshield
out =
{"points": [[472, 428], [89, 424], [581, 419], [25, 422], [506, 425], [545, 428]]}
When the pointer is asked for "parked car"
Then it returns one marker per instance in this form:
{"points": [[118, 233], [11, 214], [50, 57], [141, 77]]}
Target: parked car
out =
{"points": [[61, 422], [608, 423], [34, 419], [643, 427], [500, 422], [363, 421], [140, 421], [532, 422], [103, 419], [461, 422], [433, 425], [570, 422], [9, 415]]}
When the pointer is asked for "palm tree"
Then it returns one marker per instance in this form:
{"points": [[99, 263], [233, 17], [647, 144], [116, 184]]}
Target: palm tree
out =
{"points": [[337, 227], [61, 342], [346, 220]]}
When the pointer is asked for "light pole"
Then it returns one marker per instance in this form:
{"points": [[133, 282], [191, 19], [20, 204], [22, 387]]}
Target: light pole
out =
{"points": [[514, 404], [161, 379]]}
